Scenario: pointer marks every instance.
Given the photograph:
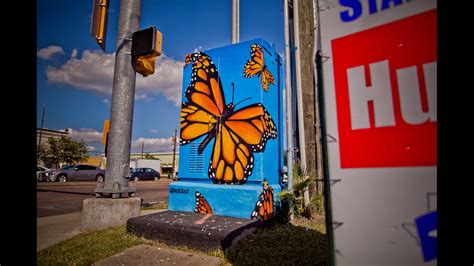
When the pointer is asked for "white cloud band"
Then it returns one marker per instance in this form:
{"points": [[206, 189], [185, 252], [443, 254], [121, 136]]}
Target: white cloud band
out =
{"points": [[94, 72]]}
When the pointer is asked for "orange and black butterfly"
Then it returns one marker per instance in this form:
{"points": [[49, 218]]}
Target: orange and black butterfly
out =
{"points": [[256, 66], [237, 133], [202, 206], [264, 205]]}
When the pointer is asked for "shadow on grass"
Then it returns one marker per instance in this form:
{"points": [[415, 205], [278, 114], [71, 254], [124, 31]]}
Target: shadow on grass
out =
{"points": [[281, 245]]}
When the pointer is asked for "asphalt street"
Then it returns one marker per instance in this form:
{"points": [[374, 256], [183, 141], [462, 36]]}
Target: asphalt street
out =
{"points": [[61, 198]]}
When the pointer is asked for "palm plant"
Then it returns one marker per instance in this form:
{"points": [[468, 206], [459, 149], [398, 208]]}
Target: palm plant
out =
{"points": [[292, 199]]}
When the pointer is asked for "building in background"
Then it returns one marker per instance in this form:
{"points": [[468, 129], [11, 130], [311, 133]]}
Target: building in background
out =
{"points": [[166, 161]]}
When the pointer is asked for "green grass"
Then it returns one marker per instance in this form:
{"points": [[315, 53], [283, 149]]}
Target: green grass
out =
{"points": [[282, 245], [88, 248], [163, 205], [302, 242]]}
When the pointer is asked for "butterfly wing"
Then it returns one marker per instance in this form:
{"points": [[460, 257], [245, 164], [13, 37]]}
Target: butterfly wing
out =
{"points": [[195, 122], [202, 206], [258, 206], [267, 209], [205, 99], [267, 78], [205, 89], [264, 205], [255, 64], [253, 125], [240, 135]]}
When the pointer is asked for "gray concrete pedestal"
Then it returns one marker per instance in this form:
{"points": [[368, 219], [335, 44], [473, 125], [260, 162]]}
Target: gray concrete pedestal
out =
{"points": [[101, 213]]}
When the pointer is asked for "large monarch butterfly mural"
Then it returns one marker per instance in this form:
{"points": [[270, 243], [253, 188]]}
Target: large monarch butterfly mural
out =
{"points": [[237, 133], [264, 205], [230, 132], [256, 66]]}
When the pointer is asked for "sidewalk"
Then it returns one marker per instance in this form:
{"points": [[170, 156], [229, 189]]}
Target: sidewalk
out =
{"points": [[51, 230], [54, 229]]}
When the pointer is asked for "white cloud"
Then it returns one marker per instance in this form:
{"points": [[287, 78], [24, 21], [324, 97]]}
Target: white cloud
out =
{"points": [[91, 148], [93, 140], [74, 54], [153, 131], [47, 53], [152, 145], [87, 134], [94, 72]]}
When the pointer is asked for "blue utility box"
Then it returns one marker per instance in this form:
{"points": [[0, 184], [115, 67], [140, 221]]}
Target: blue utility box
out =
{"points": [[231, 132]]}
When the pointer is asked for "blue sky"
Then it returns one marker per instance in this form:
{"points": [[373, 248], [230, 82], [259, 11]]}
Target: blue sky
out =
{"points": [[74, 76]]}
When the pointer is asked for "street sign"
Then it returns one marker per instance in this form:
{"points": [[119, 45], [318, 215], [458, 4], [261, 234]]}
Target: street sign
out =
{"points": [[105, 136], [380, 69], [99, 21]]}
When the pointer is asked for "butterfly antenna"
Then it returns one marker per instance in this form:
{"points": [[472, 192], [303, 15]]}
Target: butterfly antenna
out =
{"points": [[242, 101], [232, 91]]}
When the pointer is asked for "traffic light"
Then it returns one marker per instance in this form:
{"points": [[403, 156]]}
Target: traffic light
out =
{"points": [[146, 43], [99, 21], [146, 46]]}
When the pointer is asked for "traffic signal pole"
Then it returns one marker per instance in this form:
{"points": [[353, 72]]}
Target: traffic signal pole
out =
{"points": [[123, 96]]}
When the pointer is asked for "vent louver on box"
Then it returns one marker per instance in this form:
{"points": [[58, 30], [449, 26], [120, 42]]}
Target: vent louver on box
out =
{"points": [[196, 161]]}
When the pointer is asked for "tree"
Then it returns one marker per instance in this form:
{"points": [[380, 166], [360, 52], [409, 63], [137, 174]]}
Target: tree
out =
{"points": [[66, 150]]}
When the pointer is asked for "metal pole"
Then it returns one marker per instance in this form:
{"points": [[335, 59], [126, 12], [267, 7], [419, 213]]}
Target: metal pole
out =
{"points": [[41, 133], [317, 47], [235, 21], [325, 159], [123, 95], [174, 150], [143, 143], [289, 113]]}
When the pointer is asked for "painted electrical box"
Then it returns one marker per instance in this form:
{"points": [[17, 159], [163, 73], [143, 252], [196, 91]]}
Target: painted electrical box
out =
{"points": [[231, 145]]}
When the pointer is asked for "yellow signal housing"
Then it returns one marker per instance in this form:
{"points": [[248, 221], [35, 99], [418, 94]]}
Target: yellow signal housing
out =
{"points": [[99, 22], [145, 65], [146, 46], [105, 135]]}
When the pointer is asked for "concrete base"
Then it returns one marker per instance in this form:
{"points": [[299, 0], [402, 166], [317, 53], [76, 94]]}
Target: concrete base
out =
{"points": [[101, 213], [196, 230]]}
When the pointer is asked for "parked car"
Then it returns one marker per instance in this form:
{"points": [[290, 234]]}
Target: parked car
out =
{"points": [[78, 172], [43, 173], [144, 174], [174, 177]]}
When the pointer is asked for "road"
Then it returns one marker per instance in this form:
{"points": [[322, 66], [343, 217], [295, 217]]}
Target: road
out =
{"points": [[61, 198]]}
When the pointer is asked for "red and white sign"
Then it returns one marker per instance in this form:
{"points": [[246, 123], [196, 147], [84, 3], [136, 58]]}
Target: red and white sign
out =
{"points": [[385, 82], [380, 110]]}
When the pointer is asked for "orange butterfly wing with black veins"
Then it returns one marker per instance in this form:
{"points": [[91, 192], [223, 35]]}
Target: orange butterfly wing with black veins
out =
{"points": [[256, 66], [205, 99], [242, 133], [202, 206], [264, 205], [267, 78]]}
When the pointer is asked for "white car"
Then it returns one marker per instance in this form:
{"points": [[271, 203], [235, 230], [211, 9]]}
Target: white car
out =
{"points": [[43, 173]]}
